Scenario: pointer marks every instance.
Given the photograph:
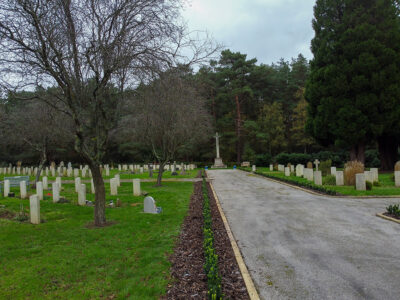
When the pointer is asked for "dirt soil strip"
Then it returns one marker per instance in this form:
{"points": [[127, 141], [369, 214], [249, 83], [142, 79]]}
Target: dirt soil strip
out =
{"points": [[190, 281], [233, 285]]}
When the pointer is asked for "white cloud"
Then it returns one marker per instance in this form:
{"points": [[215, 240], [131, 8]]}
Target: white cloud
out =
{"points": [[265, 29]]}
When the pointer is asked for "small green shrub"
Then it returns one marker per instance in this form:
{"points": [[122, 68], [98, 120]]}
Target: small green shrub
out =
{"points": [[393, 210], [377, 183], [325, 167], [329, 180], [368, 185]]}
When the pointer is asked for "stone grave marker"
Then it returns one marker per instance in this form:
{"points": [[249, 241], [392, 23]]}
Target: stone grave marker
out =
{"points": [[316, 163], [375, 174], [149, 205], [299, 170], [339, 178], [82, 195], [58, 180], [76, 172], [253, 168], [39, 190], [34, 209], [333, 171], [45, 183], [92, 186], [318, 177], [136, 187], [56, 192], [271, 167], [310, 165], [369, 176], [287, 171], [113, 187], [309, 174], [77, 184], [360, 182], [397, 178], [6, 187], [22, 189], [118, 179]]}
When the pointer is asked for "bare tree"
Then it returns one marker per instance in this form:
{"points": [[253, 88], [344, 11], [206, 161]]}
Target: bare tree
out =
{"points": [[35, 125], [168, 114], [91, 50]]}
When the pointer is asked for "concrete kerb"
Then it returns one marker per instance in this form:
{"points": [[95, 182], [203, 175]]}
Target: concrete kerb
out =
{"points": [[320, 194], [251, 289], [388, 218]]}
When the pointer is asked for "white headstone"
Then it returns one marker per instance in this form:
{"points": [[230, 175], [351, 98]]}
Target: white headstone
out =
{"points": [[369, 176], [309, 174], [149, 205], [141, 170], [34, 209], [281, 168], [56, 192], [253, 168], [107, 171], [6, 187], [22, 189], [318, 177], [113, 187], [316, 163], [82, 195], [291, 168], [45, 183], [397, 178], [360, 182], [339, 178], [84, 172], [375, 174], [299, 170], [53, 172], [287, 171], [333, 171], [76, 172], [118, 178], [69, 172], [58, 180], [136, 187], [39, 190], [77, 183], [271, 167]]}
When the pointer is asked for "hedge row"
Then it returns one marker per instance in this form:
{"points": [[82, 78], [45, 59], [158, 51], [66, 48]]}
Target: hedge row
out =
{"points": [[211, 258], [307, 185]]}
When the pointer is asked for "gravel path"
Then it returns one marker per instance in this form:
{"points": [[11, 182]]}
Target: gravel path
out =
{"points": [[303, 246]]}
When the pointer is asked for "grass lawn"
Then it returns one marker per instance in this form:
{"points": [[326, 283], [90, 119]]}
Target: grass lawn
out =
{"points": [[386, 181], [123, 175], [62, 258]]}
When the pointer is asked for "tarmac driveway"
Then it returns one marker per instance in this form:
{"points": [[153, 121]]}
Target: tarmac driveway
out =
{"points": [[302, 246]]}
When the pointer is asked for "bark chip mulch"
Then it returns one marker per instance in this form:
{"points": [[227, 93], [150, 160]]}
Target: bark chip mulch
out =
{"points": [[190, 281], [233, 286]]}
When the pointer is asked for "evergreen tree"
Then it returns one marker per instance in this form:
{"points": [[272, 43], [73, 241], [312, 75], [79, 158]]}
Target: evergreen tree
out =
{"points": [[353, 89]]}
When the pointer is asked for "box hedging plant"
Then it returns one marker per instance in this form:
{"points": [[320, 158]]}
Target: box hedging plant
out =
{"points": [[211, 258]]}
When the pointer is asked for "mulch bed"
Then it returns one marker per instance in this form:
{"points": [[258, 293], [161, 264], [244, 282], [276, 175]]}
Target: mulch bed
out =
{"points": [[190, 281], [187, 270], [392, 216], [233, 286]]}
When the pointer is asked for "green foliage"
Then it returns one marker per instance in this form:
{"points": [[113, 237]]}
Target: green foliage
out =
{"points": [[372, 158], [325, 167], [272, 124], [368, 185], [263, 159], [211, 258], [376, 183], [353, 89], [329, 180], [393, 209]]}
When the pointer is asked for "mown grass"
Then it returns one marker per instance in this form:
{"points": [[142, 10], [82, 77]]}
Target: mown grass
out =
{"points": [[386, 188], [63, 258]]}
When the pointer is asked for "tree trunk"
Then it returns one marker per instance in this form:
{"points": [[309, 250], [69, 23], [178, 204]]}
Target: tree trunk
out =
{"points": [[160, 173], [238, 131], [100, 196], [388, 152], [357, 152], [43, 160]]}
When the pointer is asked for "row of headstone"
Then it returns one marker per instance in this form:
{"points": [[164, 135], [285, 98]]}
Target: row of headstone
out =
{"points": [[115, 183]]}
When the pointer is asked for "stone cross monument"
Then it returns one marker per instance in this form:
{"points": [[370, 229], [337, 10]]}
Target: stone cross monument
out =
{"points": [[218, 160]]}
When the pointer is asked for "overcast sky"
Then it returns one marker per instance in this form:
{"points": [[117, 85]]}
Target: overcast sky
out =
{"points": [[265, 29]]}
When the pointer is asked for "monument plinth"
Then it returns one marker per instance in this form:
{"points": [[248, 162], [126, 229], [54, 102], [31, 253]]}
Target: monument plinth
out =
{"points": [[218, 160]]}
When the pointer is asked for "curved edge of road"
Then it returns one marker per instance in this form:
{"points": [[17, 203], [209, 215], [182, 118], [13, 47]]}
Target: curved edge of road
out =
{"points": [[251, 289], [320, 194]]}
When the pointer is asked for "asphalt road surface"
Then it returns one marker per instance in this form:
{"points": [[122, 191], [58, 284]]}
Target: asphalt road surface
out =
{"points": [[302, 246]]}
